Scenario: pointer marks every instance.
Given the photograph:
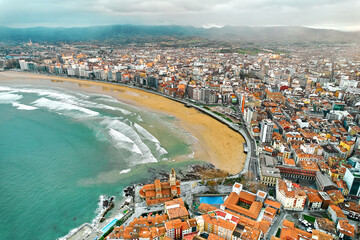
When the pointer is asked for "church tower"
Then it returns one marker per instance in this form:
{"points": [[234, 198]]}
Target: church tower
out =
{"points": [[172, 181], [172, 178]]}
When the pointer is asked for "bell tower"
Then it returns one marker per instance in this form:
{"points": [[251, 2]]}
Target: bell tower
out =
{"points": [[172, 178]]}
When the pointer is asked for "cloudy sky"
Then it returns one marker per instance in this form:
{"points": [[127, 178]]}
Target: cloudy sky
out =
{"points": [[336, 14]]}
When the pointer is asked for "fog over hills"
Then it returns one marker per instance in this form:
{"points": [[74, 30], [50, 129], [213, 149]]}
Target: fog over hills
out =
{"points": [[228, 33]]}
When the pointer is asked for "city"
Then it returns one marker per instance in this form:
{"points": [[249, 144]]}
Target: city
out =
{"points": [[180, 119], [297, 109]]}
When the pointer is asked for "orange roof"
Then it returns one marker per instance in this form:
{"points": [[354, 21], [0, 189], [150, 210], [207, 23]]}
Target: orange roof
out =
{"points": [[214, 237], [289, 231], [308, 165], [316, 234], [313, 197], [173, 224], [289, 161], [338, 211], [272, 203], [247, 196], [206, 207], [261, 194], [232, 198], [288, 224], [346, 228], [176, 209], [270, 210], [252, 212]]}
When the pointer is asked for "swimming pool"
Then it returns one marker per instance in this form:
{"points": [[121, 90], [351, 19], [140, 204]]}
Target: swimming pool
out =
{"points": [[212, 200], [107, 227]]}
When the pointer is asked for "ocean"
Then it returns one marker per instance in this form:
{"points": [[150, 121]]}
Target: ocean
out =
{"points": [[62, 150]]}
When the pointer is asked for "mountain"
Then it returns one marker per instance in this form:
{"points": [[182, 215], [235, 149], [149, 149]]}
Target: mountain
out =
{"points": [[228, 33]]}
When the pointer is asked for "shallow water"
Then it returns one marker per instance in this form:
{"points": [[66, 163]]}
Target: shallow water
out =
{"points": [[60, 150]]}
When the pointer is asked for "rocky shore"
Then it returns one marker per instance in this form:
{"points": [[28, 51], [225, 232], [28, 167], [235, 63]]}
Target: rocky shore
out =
{"points": [[197, 171]]}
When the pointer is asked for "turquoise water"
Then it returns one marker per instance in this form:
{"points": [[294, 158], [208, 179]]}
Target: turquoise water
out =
{"points": [[61, 150], [212, 200]]}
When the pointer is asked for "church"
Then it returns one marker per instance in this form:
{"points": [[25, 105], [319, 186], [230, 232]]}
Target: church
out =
{"points": [[159, 192]]}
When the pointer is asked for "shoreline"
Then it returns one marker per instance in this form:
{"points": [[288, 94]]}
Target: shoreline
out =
{"points": [[216, 143]]}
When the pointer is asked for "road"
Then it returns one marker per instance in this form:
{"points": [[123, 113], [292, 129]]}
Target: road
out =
{"points": [[253, 166], [275, 226]]}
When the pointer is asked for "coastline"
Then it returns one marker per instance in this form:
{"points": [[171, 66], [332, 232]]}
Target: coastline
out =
{"points": [[217, 143]]}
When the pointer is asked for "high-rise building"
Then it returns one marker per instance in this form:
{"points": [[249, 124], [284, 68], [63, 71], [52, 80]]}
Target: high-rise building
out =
{"points": [[352, 179], [267, 127], [205, 95]]}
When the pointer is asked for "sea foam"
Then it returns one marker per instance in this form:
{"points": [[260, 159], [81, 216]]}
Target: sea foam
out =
{"points": [[125, 171], [123, 142], [62, 106], [23, 106], [151, 138], [145, 133], [130, 133], [9, 97]]}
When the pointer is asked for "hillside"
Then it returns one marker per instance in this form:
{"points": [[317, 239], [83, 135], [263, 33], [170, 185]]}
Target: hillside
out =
{"points": [[228, 33]]}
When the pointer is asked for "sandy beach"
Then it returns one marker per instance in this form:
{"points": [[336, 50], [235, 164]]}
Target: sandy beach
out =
{"points": [[216, 143]]}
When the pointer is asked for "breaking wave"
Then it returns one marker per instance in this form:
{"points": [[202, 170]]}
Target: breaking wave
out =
{"points": [[62, 107], [123, 142], [9, 97], [23, 106], [145, 154], [121, 132], [125, 171]]}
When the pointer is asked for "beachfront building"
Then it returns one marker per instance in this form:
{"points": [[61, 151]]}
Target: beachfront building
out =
{"points": [[137, 232], [290, 197], [160, 192]]}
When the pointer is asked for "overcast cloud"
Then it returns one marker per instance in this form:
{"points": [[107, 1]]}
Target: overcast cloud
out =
{"points": [[337, 14]]}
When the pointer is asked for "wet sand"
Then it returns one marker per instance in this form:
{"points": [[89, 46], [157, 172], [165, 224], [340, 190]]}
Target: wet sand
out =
{"points": [[217, 143]]}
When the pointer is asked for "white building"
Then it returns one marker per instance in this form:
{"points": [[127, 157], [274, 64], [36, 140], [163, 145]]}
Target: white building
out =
{"points": [[267, 127], [290, 197]]}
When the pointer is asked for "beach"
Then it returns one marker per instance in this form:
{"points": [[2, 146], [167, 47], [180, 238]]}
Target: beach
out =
{"points": [[216, 143]]}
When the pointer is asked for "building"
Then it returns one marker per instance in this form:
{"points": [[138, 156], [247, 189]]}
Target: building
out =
{"points": [[326, 226], [267, 127], [290, 197], [305, 170], [350, 209], [336, 213], [326, 200], [239, 196], [289, 231], [174, 229], [352, 179], [160, 192], [314, 201], [269, 173], [324, 183], [336, 196], [345, 230], [220, 223], [175, 209], [269, 214], [318, 235], [137, 232]]}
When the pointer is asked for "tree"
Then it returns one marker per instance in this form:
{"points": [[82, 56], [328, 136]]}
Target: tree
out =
{"points": [[11, 64]]}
